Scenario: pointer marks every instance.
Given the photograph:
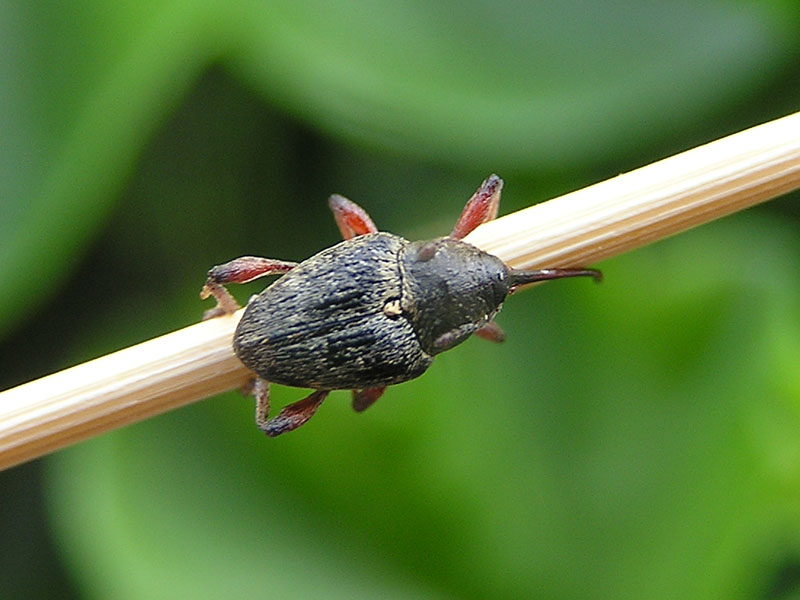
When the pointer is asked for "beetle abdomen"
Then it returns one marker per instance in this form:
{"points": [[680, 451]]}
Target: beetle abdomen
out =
{"points": [[323, 324]]}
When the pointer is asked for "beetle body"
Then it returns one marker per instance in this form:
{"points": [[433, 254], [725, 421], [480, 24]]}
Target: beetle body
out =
{"points": [[369, 312]]}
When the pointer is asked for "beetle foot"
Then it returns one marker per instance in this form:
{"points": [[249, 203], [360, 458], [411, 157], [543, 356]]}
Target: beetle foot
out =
{"points": [[226, 304], [238, 270], [492, 331], [363, 399], [293, 415]]}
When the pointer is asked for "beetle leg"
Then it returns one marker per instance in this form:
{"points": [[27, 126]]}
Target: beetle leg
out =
{"points": [[491, 331], [293, 415], [480, 208], [351, 219], [239, 270], [363, 399]]}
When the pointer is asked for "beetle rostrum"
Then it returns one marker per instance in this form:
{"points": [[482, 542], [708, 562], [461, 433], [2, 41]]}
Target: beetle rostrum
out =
{"points": [[368, 312]]}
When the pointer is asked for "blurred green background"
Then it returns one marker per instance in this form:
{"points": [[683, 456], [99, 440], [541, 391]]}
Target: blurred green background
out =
{"points": [[638, 439]]}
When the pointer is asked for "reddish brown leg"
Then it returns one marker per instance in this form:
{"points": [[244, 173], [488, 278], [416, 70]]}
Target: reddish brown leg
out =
{"points": [[239, 270], [293, 415], [482, 207], [492, 332], [351, 219], [363, 399]]}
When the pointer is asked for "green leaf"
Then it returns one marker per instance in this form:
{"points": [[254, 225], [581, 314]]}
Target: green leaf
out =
{"points": [[87, 87], [512, 85]]}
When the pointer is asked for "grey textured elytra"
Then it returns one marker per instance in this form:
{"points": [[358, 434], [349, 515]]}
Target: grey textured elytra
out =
{"points": [[369, 312], [323, 325]]}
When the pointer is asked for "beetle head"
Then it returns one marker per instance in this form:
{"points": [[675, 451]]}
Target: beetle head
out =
{"points": [[450, 289]]}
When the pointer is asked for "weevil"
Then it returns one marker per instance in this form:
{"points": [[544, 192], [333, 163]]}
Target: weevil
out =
{"points": [[369, 312]]}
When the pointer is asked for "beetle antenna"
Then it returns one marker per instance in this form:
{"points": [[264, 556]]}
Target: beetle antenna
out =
{"points": [[519, 277]]}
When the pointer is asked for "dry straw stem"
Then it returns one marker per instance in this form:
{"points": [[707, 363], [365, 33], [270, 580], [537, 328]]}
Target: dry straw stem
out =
{"points": [[580, 228]]}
